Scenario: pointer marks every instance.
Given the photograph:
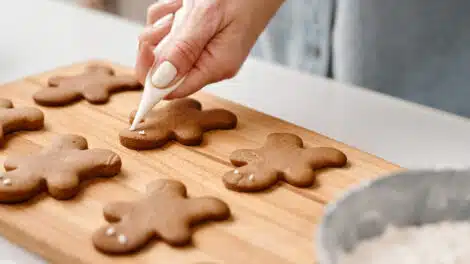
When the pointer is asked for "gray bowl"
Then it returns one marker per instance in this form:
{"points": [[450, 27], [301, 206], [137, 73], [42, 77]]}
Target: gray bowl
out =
{"points": [[408, 198]]}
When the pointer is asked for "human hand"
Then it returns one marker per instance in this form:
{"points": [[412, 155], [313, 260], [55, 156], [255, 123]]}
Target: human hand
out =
{"points": [[210, 44]]}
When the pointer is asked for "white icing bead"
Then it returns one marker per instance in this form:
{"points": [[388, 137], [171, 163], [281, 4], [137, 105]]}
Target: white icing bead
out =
{"points": [[122, 239], [6, 181], [251, 177], [236, 171], [110, 231], [141, 132]]}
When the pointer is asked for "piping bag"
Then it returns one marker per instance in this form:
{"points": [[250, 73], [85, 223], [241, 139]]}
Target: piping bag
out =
{"points": [[152, 95]]}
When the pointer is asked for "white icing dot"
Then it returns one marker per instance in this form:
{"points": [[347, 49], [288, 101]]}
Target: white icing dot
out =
{"points": [[236, 171], [6, 181], [251, 177], [141, 132], [110, 231], [122, 239]]}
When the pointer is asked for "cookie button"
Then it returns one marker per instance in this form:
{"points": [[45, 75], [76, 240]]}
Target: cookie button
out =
{"points": [[122, 239], [110, 231], [6, 181], [251, 177]]}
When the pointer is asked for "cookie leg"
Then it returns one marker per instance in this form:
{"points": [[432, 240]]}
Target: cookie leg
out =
{"points": [[300, 175], [96, 94], [176, 233], [324, 157], [206, 208], [56, 97], [63, 186], [218, 119], [189, 135]]}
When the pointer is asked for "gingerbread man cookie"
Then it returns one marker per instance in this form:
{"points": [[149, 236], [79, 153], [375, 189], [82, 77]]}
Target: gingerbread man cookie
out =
{"points": [[17, 119], [282, 157], [181, 120], [59, 169], [95, 85], [165, 213]]}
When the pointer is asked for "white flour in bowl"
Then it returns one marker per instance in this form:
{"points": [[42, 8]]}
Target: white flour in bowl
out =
{"points": [[440, 243]]}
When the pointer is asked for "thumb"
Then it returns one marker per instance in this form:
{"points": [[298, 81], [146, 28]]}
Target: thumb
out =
{"points": [[185, 43]]}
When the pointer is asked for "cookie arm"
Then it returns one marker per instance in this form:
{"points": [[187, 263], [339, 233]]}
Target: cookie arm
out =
{"points": [[26, 118], [93, 163], [124, 83], [242, 157], [54, 81], [113, 212]]}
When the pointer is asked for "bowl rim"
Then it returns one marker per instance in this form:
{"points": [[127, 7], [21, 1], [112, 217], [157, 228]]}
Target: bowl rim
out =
{"points": [[329, 208]]}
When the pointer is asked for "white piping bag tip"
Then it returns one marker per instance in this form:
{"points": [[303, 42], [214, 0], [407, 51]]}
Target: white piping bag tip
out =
{"points": [[151, 96]]}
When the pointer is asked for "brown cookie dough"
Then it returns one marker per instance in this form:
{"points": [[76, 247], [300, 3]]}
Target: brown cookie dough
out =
{"points": [[59, 169], [282, 157], [95, 85], [17, 119], [181, 120], [165, 213]]}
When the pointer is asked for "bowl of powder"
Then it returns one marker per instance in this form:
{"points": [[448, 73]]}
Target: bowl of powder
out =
{"points": [[410, 217]]}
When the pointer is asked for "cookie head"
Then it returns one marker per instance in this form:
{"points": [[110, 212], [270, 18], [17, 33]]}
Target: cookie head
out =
{"points": [[165, 213], [18, 119], [282, 158], [58, 169], [95, 84], [182, 120]]}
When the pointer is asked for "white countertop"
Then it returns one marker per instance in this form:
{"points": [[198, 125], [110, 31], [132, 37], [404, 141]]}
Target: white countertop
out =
{"points": [[39, 35]]}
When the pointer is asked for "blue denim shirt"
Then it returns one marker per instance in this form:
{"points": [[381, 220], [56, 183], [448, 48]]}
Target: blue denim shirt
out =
{"points": [[298, 36], [418, 50]]}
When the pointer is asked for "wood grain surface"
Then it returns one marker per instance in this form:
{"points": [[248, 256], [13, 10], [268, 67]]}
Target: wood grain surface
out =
{"points": [[276, 226]]}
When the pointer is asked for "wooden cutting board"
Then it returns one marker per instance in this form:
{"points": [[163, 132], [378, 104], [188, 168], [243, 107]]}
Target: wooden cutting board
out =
{"points": [[275, 226]]}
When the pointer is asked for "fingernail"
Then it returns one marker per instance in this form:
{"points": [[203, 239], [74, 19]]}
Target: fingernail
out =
{"points": [[163, 21], [164, 75]]}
